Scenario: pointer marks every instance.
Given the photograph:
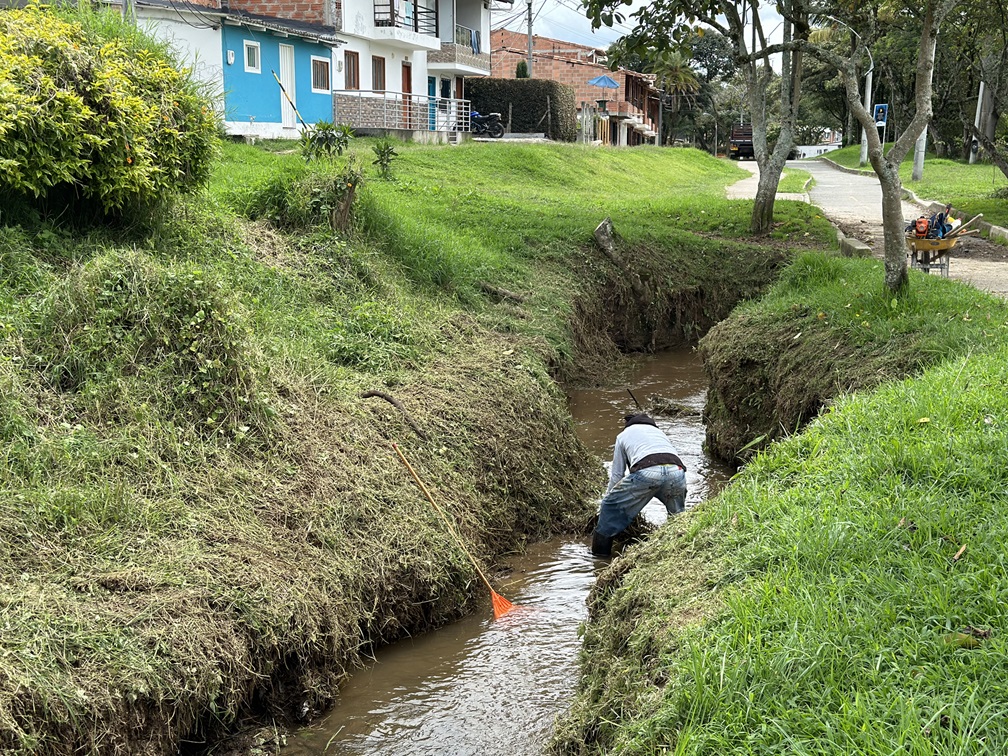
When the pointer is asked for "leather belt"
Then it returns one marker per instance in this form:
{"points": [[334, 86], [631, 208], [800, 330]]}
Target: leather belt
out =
{"points": [[653, 460]]}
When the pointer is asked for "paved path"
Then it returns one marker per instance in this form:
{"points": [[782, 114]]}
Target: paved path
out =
{"points": [[854, 202], [746, 188]]}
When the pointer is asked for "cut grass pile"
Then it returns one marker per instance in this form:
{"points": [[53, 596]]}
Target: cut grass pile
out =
{"points": [[846, 594], [968, 188], [201, 514]]}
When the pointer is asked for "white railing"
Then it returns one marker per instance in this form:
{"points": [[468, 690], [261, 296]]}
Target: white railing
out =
{"points": [[368, 109]]}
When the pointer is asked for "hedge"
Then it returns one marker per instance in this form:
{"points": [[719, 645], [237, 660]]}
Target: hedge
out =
{"points": [[529, 101]]}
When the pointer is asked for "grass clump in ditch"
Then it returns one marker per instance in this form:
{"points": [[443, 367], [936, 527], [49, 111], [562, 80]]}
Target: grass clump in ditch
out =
{"points": [[844, 595], [828, 327]]}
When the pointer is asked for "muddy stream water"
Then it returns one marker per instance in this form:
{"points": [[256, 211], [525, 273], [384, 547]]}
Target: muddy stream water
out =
{"points": [[481, 687]]}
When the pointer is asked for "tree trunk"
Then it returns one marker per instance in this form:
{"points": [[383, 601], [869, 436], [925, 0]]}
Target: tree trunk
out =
{"points": [[886, 165], [762, 214], [893, 225]]}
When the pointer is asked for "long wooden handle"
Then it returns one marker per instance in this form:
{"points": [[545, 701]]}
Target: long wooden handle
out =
{"points": [[959, 230], [441, 512]]}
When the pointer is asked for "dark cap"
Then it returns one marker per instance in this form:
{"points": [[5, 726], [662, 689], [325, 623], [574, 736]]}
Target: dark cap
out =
{"points": [[638, 419]]}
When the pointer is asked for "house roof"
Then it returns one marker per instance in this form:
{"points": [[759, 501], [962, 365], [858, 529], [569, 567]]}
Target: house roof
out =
{"points": [[282, 26]]}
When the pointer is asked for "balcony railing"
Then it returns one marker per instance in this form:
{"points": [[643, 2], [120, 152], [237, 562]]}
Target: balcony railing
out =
{"points": [[466, 37], [405, 14], [394, 110]]}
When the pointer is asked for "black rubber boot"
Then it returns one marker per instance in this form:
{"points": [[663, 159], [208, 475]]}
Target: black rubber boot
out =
{"points": [[601, 545]]}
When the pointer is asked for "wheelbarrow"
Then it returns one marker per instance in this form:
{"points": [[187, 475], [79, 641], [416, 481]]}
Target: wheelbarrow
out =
{"points": [[926, 254]]}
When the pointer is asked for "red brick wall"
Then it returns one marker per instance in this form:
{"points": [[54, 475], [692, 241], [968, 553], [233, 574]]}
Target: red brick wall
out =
{"points": [[312, 11], [560, 61]]}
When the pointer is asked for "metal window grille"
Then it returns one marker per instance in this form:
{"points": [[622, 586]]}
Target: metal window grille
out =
{"points": [[320, 75]]}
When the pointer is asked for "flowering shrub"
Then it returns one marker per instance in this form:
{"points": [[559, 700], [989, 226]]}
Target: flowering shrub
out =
{"points": [[94, 109]]}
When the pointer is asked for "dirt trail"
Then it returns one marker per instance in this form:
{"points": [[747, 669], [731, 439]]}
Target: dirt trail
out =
{"points": [[854, 203]]}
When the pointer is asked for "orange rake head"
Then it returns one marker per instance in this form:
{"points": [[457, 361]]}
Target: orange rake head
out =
{"points": [[501, 605]]}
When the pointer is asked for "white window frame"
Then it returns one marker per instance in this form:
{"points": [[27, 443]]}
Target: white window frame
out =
{"points": [[251, 44], [329, 68]]}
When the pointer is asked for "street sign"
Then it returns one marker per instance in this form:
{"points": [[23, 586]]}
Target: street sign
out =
{"points": [[881, 113]]}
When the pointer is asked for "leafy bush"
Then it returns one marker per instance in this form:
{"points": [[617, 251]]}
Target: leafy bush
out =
{"points": [[384, 152], [529, 100], [303, 198], [95, 110], [325, 139]]}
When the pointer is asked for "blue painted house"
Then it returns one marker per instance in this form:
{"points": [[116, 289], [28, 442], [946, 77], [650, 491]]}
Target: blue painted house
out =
{"points": [[240, 56], [261, 53]]}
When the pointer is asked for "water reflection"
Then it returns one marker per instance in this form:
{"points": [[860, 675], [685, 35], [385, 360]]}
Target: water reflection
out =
{"points": [[478, 686]]}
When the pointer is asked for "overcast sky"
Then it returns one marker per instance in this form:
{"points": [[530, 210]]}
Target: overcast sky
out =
{"points": [[556, 19], [565, 20]]}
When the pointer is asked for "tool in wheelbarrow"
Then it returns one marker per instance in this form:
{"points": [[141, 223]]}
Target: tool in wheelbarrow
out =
{"points": [[501, 605], [960, 229], [935, 226]]}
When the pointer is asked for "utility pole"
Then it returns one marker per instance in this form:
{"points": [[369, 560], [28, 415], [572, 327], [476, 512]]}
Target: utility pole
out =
{"points": [[530, 38], [868, 107]]}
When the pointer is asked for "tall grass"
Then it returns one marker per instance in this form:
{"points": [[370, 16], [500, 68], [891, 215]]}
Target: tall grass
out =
{"points": [[468, 214], [199, 511], [859, 627]]}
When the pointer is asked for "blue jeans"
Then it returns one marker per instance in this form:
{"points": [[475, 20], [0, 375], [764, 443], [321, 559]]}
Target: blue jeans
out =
{"points": [[623, 503]]}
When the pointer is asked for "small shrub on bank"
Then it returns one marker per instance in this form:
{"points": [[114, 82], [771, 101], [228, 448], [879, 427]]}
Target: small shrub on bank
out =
{"points": [[325, 139], [384, 152], [95, 113], [302, 198]]}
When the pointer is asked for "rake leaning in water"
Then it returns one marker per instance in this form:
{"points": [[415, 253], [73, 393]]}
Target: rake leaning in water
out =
{"points": [[501, 605]]}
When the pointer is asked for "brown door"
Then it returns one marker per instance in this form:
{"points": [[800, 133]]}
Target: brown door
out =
{"points": [[407, 95]]}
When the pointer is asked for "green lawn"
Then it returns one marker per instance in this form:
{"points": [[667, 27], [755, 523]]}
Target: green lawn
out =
{"points": [[794, 180]]}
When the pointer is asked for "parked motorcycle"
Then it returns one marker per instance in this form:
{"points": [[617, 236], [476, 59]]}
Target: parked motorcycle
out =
{"points": [[489, 124]]}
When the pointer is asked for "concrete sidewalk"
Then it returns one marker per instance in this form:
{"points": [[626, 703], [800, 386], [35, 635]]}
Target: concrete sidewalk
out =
{"points": [[746, 188]]}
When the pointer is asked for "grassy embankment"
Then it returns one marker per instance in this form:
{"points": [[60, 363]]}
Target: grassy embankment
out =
{"points": [[202, 517], [846, 594], [972, 189], [828, 328]]}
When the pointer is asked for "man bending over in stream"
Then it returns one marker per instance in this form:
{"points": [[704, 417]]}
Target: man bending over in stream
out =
{"points": [[653, 470]]}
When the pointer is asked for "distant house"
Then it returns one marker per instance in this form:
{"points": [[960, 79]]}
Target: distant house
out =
{"points": [[627, 115], [405, 61], [377, 65], [240, 56], [830, 140], [262, 53]]}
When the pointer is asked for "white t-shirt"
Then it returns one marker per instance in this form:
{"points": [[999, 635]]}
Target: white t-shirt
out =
{"points": [[633, 444]]}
